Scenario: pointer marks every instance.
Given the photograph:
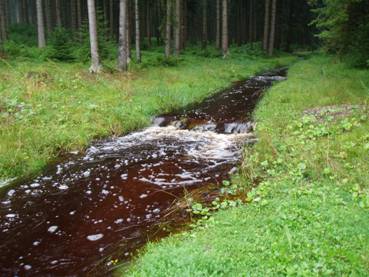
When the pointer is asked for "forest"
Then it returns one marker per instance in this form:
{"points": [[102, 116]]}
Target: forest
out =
{"points": [[184, 137]]}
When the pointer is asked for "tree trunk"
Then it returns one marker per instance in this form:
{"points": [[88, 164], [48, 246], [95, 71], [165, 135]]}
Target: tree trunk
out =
{"points": [[95, 60], [123, 51], [137, 19], [272, 28], [111, 19], [18, 12], [128, 32], [184, 30], [58, 13], [168, 28], [218, 21], [225, 28], [24, 11], [204, 24], [266, 25], [73, 14], [148, 24], [40, 25], [48, 16], [79, 14], [29, 13], [178, 27], [2, 23]]}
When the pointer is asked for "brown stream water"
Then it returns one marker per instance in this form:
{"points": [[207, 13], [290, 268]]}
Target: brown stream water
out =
{"points": [[109, 201]]}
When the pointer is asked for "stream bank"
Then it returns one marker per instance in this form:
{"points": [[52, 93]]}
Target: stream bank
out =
{"points": [[108, 202]]}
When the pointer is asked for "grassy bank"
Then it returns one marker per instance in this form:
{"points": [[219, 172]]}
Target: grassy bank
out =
{"points": [[310, 213], [48, 108]]}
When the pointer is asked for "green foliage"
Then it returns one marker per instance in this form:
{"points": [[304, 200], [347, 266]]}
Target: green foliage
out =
{"points": [[344, 28], [170, 61], [23, 51], [61, 42], [22, 43], [107, 48], [23, 34]]}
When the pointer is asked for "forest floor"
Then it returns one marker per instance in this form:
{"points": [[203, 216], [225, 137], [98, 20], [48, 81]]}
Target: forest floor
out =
{"points": [[49, 108], [309, 214]]}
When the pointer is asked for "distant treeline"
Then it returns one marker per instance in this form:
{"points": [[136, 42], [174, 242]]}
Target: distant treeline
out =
{"points": [[342, 25]]}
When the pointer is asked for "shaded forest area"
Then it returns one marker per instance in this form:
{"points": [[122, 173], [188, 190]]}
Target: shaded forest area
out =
{"points": [[70, 28], [283, 25]]}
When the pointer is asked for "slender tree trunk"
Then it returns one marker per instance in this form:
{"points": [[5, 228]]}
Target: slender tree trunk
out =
{"points": [[178, 27], [266, 25], [40, 25], [225, 28], [58, 13], [250, 20], [18, 13], [123, 51], [24, 11], [138, 45], [204, 24], [218, 21], [184, 15], [30, 15], [272, 28], [79, 14], [95, 60], [168, 28], [128, 36], [73, 14], [2, 23], [158, 15], [111, 19], [48, 16], [148, 23]]}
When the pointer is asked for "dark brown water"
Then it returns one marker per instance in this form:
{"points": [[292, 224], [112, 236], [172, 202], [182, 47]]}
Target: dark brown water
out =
{"points": [[111, 200]]}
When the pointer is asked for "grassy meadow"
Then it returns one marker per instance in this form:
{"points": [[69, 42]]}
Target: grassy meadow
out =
{"points": [[48, 108]]}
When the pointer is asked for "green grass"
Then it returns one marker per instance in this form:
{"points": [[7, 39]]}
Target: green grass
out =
{"points": [[48, 108], [309, 216]]}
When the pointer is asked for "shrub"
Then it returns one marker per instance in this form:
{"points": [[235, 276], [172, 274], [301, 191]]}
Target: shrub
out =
{"points": [[61, 42]]}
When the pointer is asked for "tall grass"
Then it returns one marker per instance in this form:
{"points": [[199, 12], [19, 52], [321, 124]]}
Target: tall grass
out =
{"points": [[47, 108]]}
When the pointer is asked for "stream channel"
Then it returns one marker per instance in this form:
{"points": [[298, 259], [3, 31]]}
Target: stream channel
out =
{"points": [[109, 201]]}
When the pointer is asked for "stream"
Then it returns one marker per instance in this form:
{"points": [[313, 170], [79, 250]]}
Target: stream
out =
{"points": [[109, 201]]}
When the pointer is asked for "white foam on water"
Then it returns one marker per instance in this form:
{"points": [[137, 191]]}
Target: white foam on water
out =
{"points": [[95, 237], [52, 229]]}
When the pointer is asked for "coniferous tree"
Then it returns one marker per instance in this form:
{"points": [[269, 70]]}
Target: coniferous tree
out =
{"points": [[73, 14], [58, 13], [178, 26], [266, 25], [79, 14], [204, 24], [48, 16], [218, 23], [138, 36], [123, 51], [2, 22], [225, 28], [95, 59], [168, 28], [272, 28], [40, 25]]}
